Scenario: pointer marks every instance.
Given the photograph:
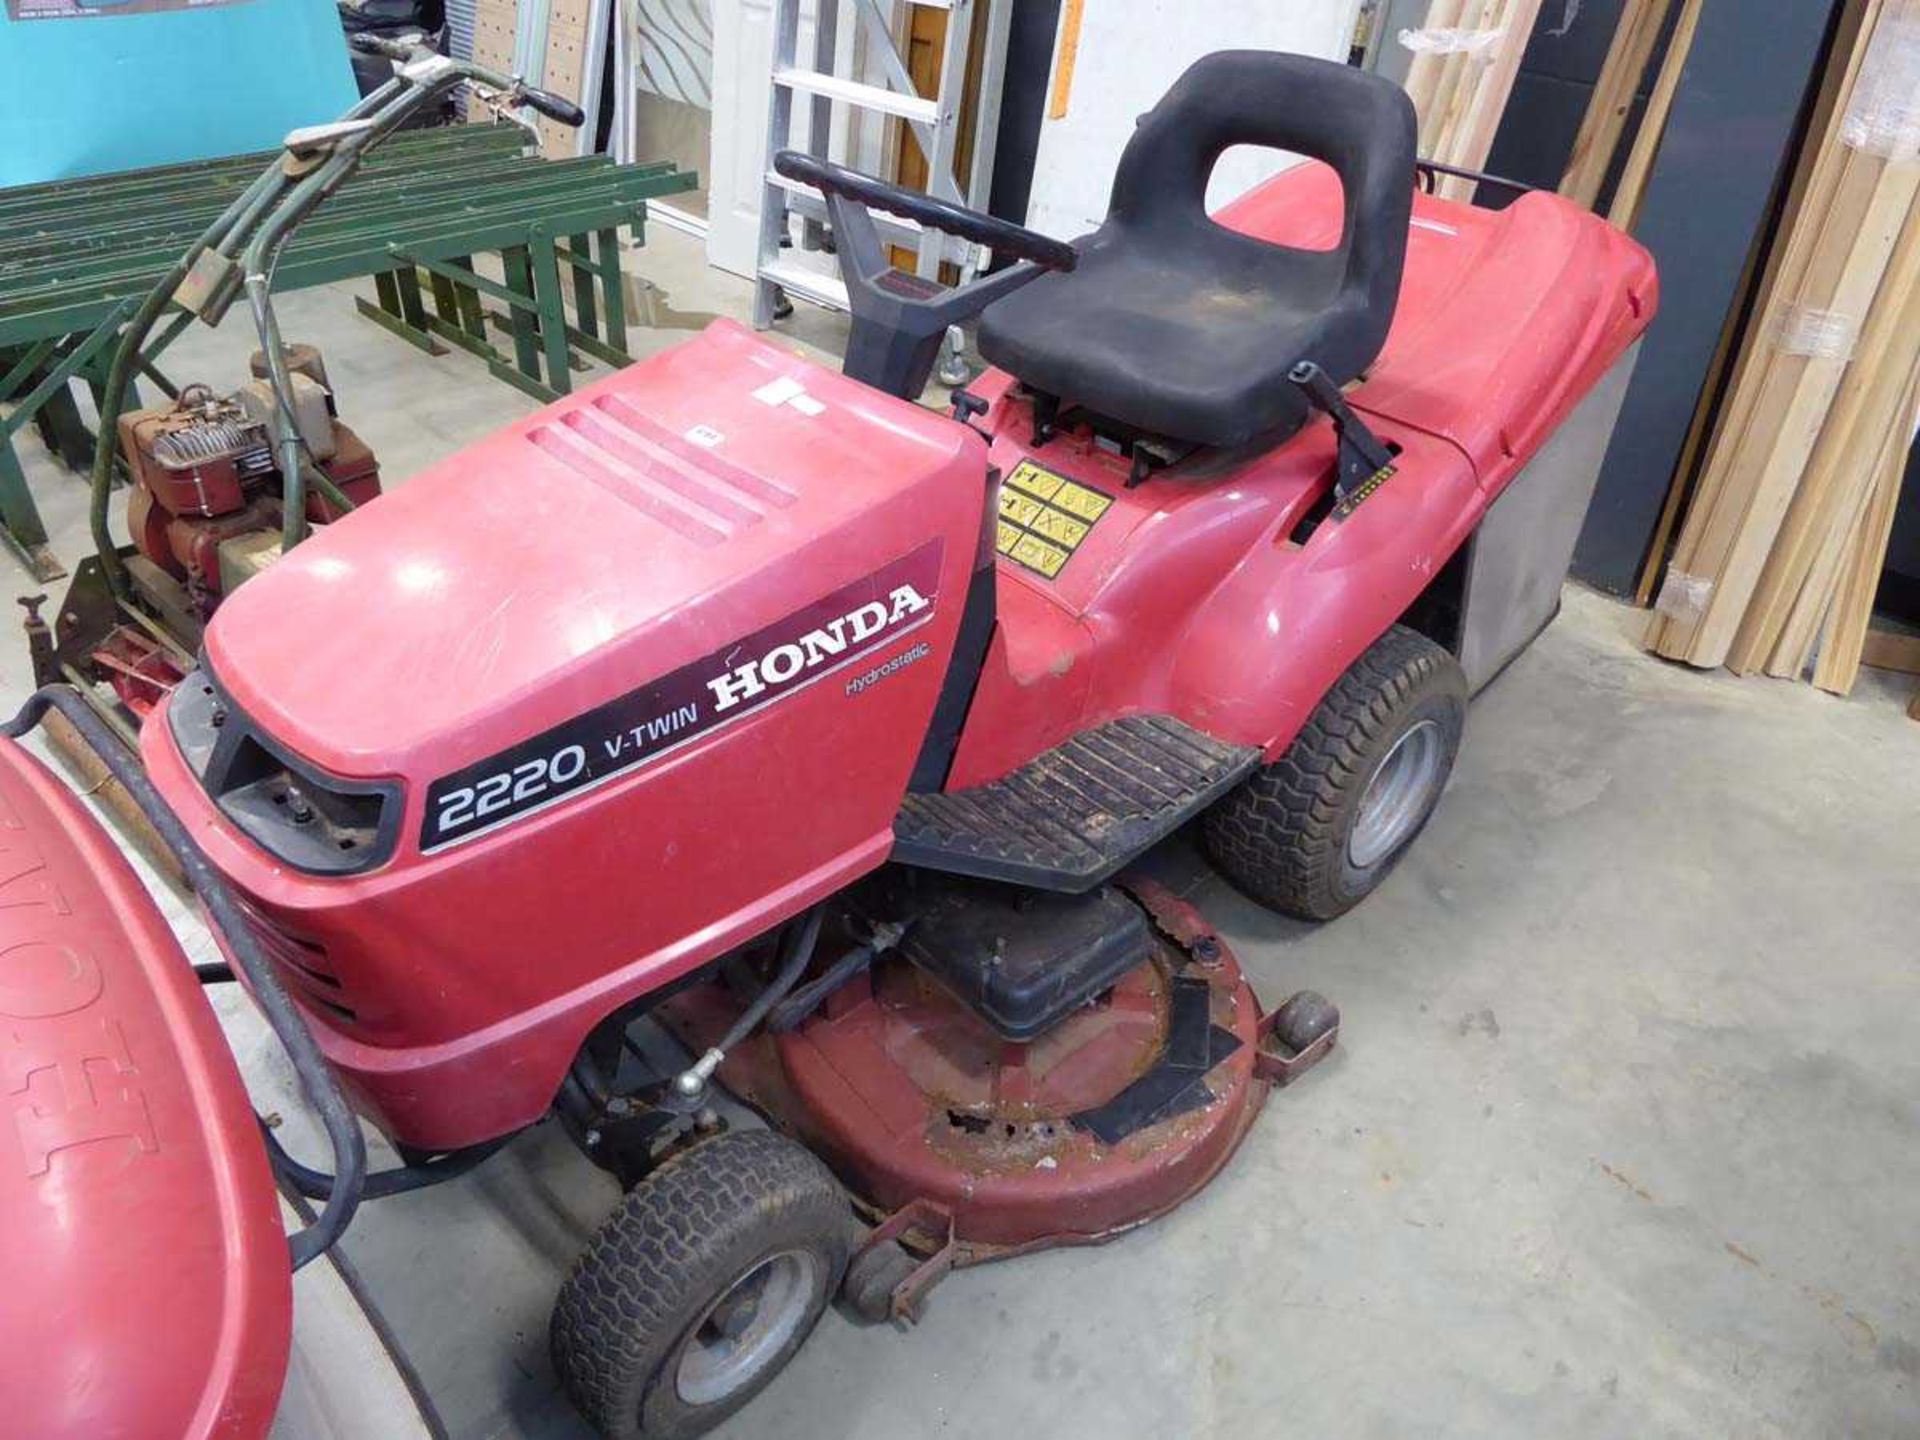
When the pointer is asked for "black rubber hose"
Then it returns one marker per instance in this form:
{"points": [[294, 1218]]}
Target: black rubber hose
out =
{"points": [[799, 950], [316, 1078], [318, 1185], [788, 1014]]}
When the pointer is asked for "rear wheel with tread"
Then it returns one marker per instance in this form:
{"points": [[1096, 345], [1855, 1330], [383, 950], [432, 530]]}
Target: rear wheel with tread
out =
{"points": [[700, 1287], [1313, 833]]}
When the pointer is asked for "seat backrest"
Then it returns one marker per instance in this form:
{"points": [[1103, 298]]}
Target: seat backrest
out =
{"points": [[1358, 123]]}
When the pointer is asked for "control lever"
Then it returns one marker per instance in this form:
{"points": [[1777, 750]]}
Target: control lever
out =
{"points": [[967, 405], [1364, 460]]}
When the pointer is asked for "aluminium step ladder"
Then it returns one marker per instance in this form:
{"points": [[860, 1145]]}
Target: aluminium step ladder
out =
{"points": [[933, 122]]}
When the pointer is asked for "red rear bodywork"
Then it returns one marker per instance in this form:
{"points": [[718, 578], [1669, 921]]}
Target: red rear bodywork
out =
{"points": [[1190, 598], [687, 508], [146, 1291]]}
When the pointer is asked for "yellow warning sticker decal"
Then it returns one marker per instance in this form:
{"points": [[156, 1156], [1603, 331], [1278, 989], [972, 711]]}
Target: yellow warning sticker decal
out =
{"points": [[1020, 509], [1044, 517]]}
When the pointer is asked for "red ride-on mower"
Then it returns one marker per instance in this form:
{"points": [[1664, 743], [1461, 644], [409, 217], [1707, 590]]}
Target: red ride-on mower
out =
{"points": [[823, 729]]}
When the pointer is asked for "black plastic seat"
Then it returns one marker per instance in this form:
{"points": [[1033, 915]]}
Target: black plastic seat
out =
{"points": [[1180, 327]]}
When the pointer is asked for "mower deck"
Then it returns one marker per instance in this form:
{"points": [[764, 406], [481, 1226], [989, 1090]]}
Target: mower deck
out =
{"points": [[990, 1147]]}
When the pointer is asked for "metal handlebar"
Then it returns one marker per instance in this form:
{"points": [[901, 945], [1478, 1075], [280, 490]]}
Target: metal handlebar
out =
{"points": [[554, 107], [1427, 171], [229, 922], [241, 247], [374, 45]]}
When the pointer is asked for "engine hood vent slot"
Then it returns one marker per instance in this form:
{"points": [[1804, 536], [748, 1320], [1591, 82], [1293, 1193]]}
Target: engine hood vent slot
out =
{"points": [[697, 495]]}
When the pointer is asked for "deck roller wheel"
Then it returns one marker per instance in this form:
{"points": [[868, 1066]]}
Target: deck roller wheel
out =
{"points": [[1305, 1017], [872, 1279]]}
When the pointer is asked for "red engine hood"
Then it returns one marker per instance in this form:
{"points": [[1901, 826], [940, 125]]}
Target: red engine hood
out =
{"points": [[654, 500], [147, 1288]]}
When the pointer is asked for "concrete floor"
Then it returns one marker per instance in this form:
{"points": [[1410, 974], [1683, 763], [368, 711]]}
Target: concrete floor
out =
{"points": [[1620, 1140]]}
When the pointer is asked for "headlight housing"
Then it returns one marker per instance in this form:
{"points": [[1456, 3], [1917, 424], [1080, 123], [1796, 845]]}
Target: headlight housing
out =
{"points": [[316, 822]]}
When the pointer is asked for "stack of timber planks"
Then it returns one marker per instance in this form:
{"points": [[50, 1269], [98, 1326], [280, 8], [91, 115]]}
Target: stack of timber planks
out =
{"points": [[1466, 57], [1782, 546], [1605, 123]]}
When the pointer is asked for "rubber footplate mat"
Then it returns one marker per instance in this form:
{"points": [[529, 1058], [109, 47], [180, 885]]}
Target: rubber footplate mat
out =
{"points": [[1073, 815]]}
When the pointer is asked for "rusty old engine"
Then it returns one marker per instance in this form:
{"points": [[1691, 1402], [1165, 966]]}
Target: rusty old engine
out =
{"points": [[206, 506]]}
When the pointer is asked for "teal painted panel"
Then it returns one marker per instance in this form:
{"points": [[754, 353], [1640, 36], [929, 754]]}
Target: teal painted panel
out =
{"points": [[115, 92]]}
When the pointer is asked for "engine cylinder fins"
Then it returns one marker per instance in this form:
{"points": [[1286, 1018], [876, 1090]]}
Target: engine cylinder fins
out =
{"points": [[202, 442]]}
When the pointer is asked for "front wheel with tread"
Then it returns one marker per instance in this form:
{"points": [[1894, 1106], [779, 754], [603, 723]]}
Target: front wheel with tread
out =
{"points": [[700, 1287], [1313, 833]]}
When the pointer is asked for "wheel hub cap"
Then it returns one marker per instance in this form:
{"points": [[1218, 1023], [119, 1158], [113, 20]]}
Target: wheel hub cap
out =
{"points": [[1397, 794], [746, 1328]]}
